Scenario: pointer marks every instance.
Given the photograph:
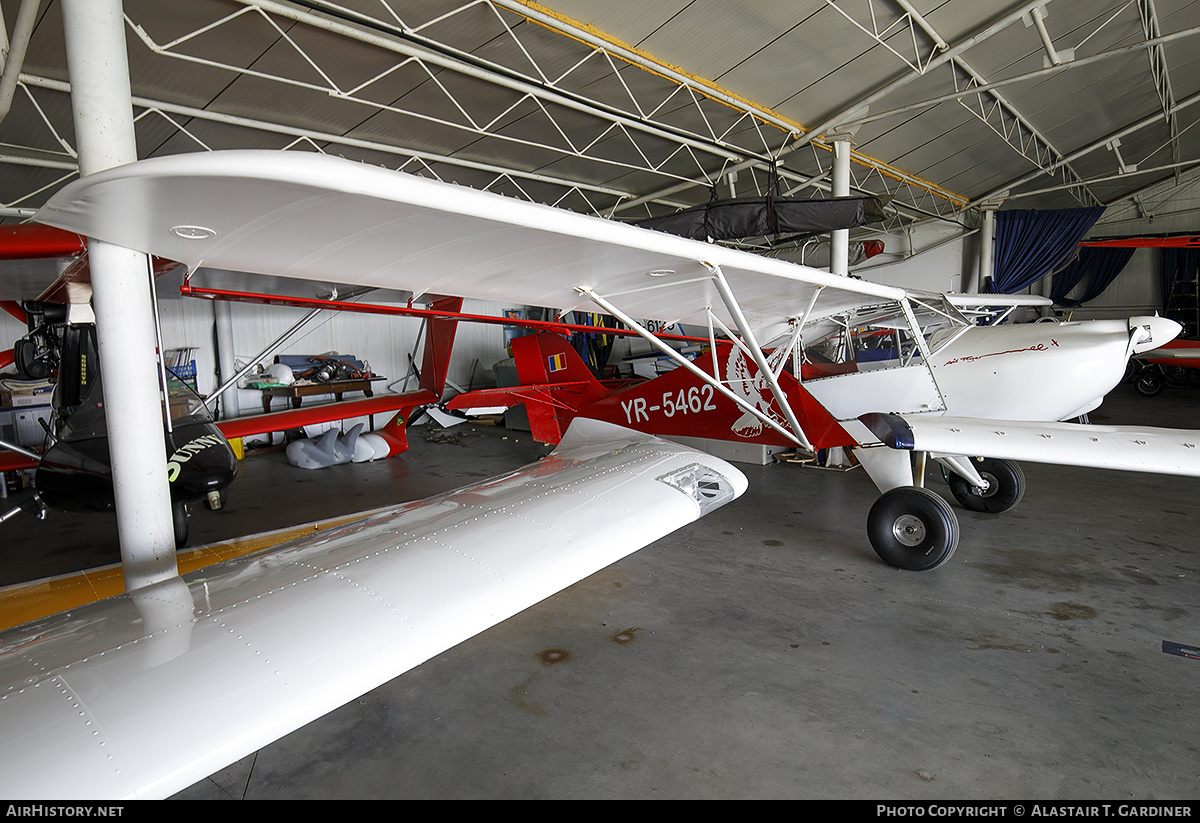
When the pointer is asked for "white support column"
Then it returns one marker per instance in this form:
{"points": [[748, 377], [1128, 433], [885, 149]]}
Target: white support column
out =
{"points": [[987, 248], [839, 239], [103, 112], [223, 319]]}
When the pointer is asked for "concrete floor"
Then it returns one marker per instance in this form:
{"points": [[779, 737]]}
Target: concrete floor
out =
{"points": [[765, 652]]}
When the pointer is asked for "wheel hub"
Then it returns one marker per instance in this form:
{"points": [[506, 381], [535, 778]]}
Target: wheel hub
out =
{"points": [[990, 485], [909, 530]]}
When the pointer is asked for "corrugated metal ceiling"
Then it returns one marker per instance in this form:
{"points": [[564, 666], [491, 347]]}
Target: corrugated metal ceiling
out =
{"points": [[636, 108]]}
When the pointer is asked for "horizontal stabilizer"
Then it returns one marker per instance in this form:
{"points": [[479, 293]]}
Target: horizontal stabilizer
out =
{"points": [[12, 461], [327, 413], [1125, 448], [511, 396], [259, 646], [550, 407]]}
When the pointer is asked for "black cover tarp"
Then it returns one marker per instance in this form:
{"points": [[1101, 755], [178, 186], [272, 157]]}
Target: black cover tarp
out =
{"points": [[768, 216]]}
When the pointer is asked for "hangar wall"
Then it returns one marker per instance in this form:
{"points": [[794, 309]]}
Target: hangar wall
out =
{"points": [[384, 342], [10, 329], [941, 259]]}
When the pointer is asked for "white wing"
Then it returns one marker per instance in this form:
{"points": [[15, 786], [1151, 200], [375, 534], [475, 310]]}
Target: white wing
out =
{"points": [[1127, 448], [315, 217], [141, 695]]}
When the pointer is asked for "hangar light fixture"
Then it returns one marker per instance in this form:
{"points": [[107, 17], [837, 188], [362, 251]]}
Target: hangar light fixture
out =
{"points": [[193, 232]]}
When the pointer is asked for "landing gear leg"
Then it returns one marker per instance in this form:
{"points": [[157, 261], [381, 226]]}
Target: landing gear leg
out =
{"points": [[912, 528]]}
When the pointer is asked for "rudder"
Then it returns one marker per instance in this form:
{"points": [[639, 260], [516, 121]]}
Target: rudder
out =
{"points": [[546, 358]]}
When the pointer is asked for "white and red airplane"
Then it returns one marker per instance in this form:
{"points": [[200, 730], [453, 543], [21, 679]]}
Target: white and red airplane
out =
{"points": [[319, 218], [968, 379], [87, 698]]}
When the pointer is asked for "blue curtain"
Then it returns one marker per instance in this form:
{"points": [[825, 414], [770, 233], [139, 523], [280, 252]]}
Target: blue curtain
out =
{"points": [[1177, 263], [1030, 244], [1099, 265]]}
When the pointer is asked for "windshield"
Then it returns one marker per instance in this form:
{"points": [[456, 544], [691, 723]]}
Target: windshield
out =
{"points": [[185, 405], [87, 420]]}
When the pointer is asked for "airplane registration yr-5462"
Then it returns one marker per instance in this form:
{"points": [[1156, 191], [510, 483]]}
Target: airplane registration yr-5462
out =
{"points": [[87, 698]]}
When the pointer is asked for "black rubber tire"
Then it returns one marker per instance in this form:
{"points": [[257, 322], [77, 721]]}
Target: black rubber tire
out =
{"points": [[1006, 486], [179, 518], [28, 364], [912, 528], [1150, 382]]}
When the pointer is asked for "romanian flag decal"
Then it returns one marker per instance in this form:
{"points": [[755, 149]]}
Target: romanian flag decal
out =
{"points": [[556, 362]]}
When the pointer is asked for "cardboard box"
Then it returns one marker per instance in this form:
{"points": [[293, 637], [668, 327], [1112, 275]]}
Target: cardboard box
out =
{"points": [[30, 399]]}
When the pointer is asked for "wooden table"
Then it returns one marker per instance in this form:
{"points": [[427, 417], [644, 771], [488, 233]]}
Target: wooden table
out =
{"points": [[297, 393]]}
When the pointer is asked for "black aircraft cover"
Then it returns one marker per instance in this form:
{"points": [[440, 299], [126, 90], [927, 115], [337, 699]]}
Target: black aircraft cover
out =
{"points": [[746, 217]]}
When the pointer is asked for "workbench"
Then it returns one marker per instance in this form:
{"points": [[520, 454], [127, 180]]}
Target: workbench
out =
{"points": [[298, 391]]}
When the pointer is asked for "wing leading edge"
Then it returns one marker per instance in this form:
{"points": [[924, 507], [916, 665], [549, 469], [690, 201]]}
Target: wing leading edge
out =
{"points": [[89, 699]]}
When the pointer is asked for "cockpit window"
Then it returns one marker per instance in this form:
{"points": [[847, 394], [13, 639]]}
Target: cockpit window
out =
{"points": [[185, 405], [87, 419]]}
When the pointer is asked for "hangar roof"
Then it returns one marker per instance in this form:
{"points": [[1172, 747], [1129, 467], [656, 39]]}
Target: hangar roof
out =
{"points": [[634, 109]]}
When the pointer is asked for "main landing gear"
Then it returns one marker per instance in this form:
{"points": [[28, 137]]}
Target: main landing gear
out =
{"points": [[915, 529], [1005, 486], [912, 528]]}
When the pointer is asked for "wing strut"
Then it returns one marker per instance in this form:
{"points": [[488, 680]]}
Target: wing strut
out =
{"points": [[793, 349], [796, 435], [760, 359], [13, 447]]}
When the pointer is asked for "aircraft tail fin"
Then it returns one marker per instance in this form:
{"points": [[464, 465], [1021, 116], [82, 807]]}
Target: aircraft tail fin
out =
{"points": [[547, 359], [554, 383], [439, 342]]}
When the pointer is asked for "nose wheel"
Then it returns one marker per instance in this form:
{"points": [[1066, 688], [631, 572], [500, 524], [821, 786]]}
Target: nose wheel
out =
{"points": [[912, 528]]}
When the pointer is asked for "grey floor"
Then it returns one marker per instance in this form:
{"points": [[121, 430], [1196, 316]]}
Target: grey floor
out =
{"points": [[765, 652]]}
